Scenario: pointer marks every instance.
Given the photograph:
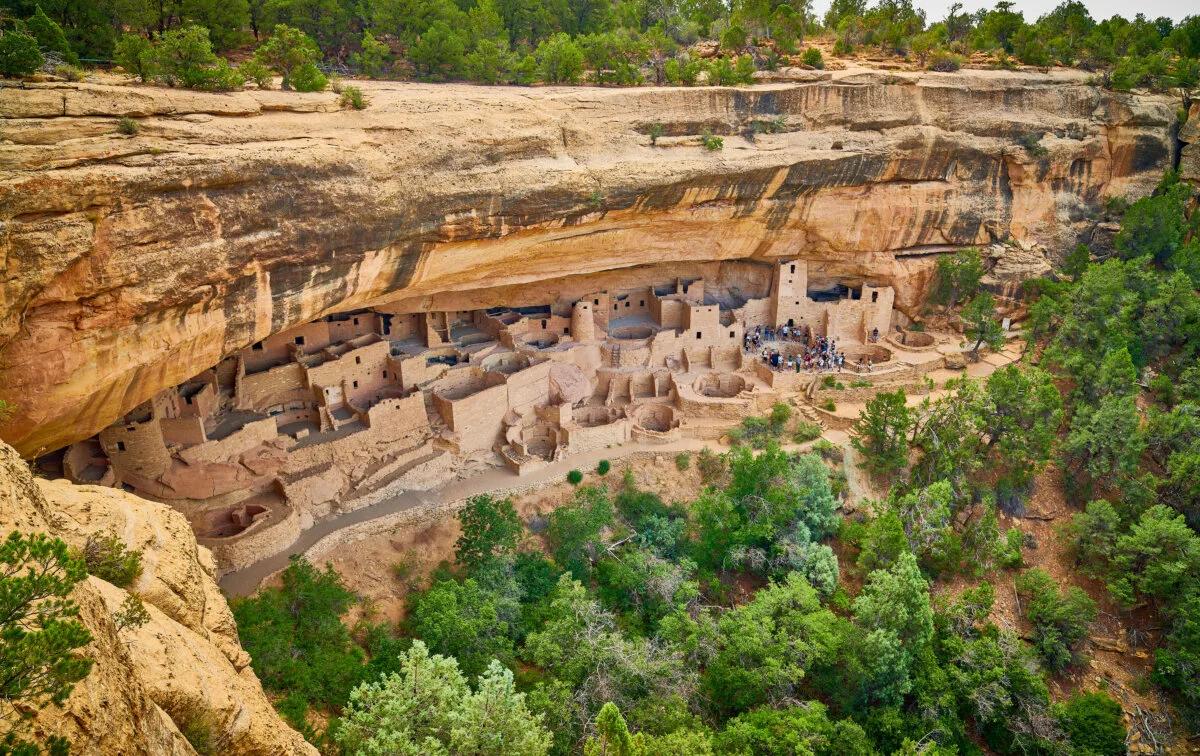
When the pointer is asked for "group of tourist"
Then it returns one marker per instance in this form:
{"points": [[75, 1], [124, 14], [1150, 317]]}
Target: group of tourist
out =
{"points": [[819, 353]]}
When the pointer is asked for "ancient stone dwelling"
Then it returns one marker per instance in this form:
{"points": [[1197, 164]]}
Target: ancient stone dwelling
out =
{"points": [[338, 413]]}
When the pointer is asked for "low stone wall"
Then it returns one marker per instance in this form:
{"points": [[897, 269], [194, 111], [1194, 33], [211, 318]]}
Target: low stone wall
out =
{"points": [[583, 439], [424, 475], [268, 536], [834, 422], [250, 435]]}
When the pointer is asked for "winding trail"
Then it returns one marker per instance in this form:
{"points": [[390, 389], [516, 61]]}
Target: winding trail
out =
{"points": [[245, 581]]}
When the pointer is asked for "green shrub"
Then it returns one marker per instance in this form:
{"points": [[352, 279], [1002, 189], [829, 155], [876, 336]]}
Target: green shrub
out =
{"points": [[829, 451], [50, 36], [721, 72], [136, 55], [254, 70], [685, 72], [812, 57], [828, 405], [860, 383], [756, 431], [491, 529], [1033, 145], [107, 558], [1060, 618], [683, 461], [68, 72], [712, 466], [127, 126], [769, 126], [806, 431], [292, 53], [656, 131], [19, 54], [132, 614], [711, 142], [743, 70], [1005, 62], [1094, 724], [603, 468], [945, 61], [352, 97], [198, 726], [308, 78], [219, 77], [575, 477], [181, 54], [372, 55], [402, 570], [40, 632], [1009, 552], [839, 483], [733, 38], [560, 60], [781, 413]]}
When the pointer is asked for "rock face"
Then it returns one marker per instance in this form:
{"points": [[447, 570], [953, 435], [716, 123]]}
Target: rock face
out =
{"points": [[134, 263], [185, 660]]}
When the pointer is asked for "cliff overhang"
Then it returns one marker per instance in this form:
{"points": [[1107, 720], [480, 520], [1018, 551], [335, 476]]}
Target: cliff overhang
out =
{"points": [[134, 263]]}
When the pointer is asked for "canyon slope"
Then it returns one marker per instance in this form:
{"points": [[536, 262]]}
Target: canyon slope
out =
{"points": [[133, 263], [183, 666]]}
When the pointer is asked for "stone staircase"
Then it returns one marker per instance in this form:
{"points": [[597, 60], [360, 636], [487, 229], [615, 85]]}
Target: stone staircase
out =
{"points": [[809, 414]]}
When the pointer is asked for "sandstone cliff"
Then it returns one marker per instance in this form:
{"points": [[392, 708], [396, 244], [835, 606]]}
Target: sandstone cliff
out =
{"points": [[134, 263], [185, 660]]}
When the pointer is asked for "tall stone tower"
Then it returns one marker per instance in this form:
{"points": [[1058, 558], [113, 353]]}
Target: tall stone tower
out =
{"points": [[789, 292], [583, 322]]}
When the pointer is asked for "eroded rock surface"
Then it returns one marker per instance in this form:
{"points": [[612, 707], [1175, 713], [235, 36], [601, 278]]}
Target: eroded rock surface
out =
{"points": [[186, 659], [134, 263]]}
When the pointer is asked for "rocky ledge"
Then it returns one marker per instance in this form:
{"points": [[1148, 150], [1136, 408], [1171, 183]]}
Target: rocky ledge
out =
{"points": [[185, 661], [135, 262]]}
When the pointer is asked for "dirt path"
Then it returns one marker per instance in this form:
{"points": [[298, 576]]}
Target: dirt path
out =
{"points": [[246, 580]]}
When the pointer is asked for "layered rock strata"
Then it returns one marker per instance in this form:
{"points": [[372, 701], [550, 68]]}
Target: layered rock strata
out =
{"points": [[135, 263]]}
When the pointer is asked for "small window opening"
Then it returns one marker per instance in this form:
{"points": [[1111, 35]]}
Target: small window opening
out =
{"points": [[300, 340], [120, 446], [257, 347]]}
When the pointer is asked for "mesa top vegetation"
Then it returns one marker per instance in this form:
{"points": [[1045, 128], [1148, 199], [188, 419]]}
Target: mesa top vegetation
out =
{"points": [[624, 42]]}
